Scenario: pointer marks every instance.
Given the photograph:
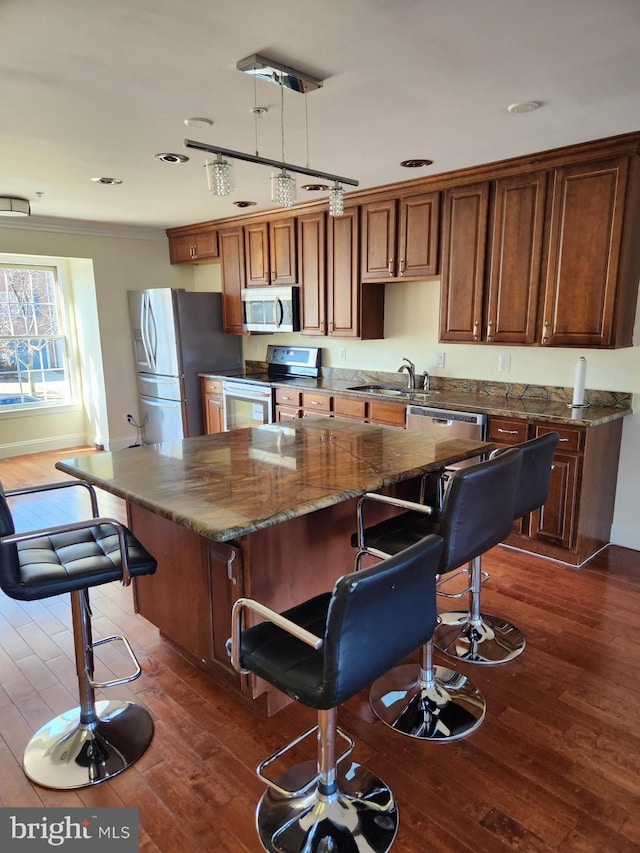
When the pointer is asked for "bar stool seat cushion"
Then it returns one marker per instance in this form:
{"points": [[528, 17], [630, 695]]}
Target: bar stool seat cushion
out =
{"points": [[69, 561]]}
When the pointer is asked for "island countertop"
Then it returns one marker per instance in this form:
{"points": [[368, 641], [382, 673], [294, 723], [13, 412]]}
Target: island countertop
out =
{"points": [[228, 485]]}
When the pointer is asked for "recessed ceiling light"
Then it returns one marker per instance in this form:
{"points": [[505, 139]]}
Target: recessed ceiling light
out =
{"points": [[315, 187], [416, 163], [106, 180], [198, 121], [244, 203], [171, 158], [524, 107]]}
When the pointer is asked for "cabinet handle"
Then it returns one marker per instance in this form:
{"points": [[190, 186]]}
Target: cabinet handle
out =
{"points": [[475, 330], [401, 266], [508, 431], [315, 402], [489, 332], [330, 326], [284, 397], [545, 336], [562, 439], [390, 266]]}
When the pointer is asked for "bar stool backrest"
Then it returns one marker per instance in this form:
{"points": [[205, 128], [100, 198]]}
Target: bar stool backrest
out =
{"points": [[377, 617], [478, 508]]}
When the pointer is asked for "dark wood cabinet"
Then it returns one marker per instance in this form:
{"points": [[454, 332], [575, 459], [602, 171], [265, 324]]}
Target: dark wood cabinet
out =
{"points": [[575, 521], [464, 247], [212, 406], [353, 310], [400, 238], [197, 581], [193, 247], [492, 254], [270, 252], [312, 267], [233, 277], [590, 283]]}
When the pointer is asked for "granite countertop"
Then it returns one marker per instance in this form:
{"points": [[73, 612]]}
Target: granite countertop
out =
{"points": [[542, 403], [227, 485]]}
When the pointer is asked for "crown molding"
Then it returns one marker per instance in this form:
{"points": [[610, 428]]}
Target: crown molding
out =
{"points": [[86, 228]]}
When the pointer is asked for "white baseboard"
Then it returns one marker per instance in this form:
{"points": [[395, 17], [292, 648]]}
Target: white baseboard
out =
{"points": [[20, 448], [626, 537]]}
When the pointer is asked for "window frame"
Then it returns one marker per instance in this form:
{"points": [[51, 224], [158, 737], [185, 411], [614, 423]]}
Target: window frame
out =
{"points": [[66, 334]]}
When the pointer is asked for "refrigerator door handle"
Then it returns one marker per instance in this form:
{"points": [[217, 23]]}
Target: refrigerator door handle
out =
{"points": [[151, 334]]}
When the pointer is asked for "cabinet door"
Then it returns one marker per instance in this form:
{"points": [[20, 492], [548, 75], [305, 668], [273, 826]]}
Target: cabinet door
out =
{"points": [[313, 272], [231, 242], [378, 240], [206, 245], [282, 251], [225, 568], [213, 414], [463, 262], [418, 235], [555, 522], [343, 290], [181, 249], [515, 259], [256, 247], [584, 253]]}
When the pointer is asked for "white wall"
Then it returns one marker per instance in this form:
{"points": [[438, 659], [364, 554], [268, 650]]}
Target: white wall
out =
{"points": [[411, 330], [103, 267]]}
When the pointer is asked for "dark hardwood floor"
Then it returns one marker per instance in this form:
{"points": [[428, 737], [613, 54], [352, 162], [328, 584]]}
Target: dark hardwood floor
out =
{"points": [[555, 765]]}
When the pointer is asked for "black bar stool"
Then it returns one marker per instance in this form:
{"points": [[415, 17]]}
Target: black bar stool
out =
{"points": [[437, 703], [321, 653], [479, 637], [86, 745]]}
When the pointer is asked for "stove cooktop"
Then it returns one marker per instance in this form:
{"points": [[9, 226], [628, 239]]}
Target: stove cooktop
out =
{"points": [[284, 364]]}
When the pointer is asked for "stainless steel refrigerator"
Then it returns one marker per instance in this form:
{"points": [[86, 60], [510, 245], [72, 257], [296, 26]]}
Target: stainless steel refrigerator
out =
{"points": [[176, 335]]}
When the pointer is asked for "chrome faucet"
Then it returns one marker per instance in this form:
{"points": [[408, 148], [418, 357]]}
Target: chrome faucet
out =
{"points": [[411, 373]]}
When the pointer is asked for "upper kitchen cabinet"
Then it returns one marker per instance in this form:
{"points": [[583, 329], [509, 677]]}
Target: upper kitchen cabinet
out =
{"points": [[270, 251], [353, 311], [400, 238], [312, 265], [593, 264], [193, 246], [233, 277], [492, 250]]}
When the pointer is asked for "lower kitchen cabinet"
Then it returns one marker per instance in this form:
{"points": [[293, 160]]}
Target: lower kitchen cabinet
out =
{"points": [[575, 522], [212, 406], [189, 598]]}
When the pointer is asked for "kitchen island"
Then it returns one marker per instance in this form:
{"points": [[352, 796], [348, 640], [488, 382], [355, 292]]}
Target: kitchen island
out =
{"points": [[265, 512]]}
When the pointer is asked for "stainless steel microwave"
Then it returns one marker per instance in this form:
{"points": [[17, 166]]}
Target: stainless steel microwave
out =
{"points": [[271, 309]]}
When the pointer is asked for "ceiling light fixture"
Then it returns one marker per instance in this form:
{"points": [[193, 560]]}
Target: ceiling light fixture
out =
{"points": [[14, 206], [106, 180], [244, 203], [314, 187], [524, 107], [219, 176], [416, 163], [198, 121], [167, 157], [283, 184]]}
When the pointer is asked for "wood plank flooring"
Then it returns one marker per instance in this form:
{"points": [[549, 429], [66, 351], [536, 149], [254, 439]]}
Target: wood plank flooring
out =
{"points": [[555, 765]]}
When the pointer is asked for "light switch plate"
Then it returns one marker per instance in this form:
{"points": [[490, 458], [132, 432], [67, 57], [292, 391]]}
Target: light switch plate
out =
{"points": [[438, 360], [504, 363]]}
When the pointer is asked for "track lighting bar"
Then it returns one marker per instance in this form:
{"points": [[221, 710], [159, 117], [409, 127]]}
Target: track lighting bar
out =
{"points": [[265, 161]]}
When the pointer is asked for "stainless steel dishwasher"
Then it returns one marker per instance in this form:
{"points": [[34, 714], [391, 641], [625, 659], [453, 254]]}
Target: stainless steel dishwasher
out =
{"points": [[447, 423]]}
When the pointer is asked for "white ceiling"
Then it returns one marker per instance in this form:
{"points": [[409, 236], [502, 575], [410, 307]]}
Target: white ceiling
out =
{"points": [[90, 89]]}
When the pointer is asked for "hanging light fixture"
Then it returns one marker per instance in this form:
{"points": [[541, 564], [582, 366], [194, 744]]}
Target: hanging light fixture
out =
{"points": [[220, 176], [283, 185], [336, 200], [13, 206]]}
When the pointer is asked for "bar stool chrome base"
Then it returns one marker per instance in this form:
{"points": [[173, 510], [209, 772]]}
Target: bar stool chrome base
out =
{"points": [[66, 754], [443, 707], [487, 640], [361, 816]]}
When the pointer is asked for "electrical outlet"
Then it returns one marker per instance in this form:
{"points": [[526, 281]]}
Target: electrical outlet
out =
{"points": [[342, 354], [504, 363], [438, 360], [128, 419]]}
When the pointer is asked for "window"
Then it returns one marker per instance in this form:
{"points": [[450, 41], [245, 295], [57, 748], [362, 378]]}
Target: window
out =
{"points": [[35, 370]]}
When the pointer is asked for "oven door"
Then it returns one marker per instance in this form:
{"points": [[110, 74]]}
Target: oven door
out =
{"points": [[246, 405]]}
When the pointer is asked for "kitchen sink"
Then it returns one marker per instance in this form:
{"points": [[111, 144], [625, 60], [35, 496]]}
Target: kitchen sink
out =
{"points": [[383, 390]]}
